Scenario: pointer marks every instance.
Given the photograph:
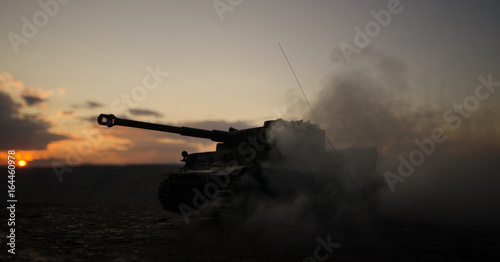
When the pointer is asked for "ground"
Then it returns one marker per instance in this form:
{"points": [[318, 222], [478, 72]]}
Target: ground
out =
{"points": [[149, 233]]}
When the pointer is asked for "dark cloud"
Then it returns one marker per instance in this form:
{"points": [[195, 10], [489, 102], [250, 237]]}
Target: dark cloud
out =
{"points": [[144, 112], [33, 100], [88, 104], [91, 104], [91, 119], [22, 132], [7, 106]]}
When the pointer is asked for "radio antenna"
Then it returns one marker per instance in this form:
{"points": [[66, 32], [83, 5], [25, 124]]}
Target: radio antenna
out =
{"points": [[303, 93]]}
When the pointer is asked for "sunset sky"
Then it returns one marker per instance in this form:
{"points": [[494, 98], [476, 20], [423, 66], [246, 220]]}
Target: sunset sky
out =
{"points": [[216, 64]]}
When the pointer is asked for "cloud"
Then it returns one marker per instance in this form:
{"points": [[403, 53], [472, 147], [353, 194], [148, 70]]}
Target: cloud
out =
{"points": [[8, 83], [66, 113], [91, 104], [144, 112], [22, 132], [88, 105], [33, 100], [22, 94]]}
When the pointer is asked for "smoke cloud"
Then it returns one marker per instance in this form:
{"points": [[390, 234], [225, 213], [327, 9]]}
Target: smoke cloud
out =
{"points": [[309, 192], [374, 103]]}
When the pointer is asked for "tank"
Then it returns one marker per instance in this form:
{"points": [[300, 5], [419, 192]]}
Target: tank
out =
{"points": [[258, 161]]}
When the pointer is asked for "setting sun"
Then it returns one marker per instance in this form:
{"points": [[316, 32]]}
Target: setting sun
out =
{"points": [[22, 163]]}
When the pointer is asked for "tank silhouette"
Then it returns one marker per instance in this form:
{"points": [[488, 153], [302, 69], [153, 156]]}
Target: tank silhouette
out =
{"points": [[255, 161]]}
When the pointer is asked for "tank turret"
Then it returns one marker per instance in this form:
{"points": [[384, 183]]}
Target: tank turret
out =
{"points": [[272, 134]]}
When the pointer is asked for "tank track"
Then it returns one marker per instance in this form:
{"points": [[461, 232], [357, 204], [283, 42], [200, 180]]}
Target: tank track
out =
{"points": [[223, 201], [165, 195]]}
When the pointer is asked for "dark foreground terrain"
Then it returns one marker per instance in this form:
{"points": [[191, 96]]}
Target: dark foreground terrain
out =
{"points": [[148, 233], [111, 213]]}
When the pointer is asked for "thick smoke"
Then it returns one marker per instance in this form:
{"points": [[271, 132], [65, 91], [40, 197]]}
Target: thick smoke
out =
{"points": [[310, 192], [374, 103]]}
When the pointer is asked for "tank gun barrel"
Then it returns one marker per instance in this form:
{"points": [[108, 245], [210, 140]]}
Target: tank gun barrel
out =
{"points": [[214, 135]]}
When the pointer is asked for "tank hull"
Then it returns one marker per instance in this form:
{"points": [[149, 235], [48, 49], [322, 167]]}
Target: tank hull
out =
{"points": [[348, 175]]}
